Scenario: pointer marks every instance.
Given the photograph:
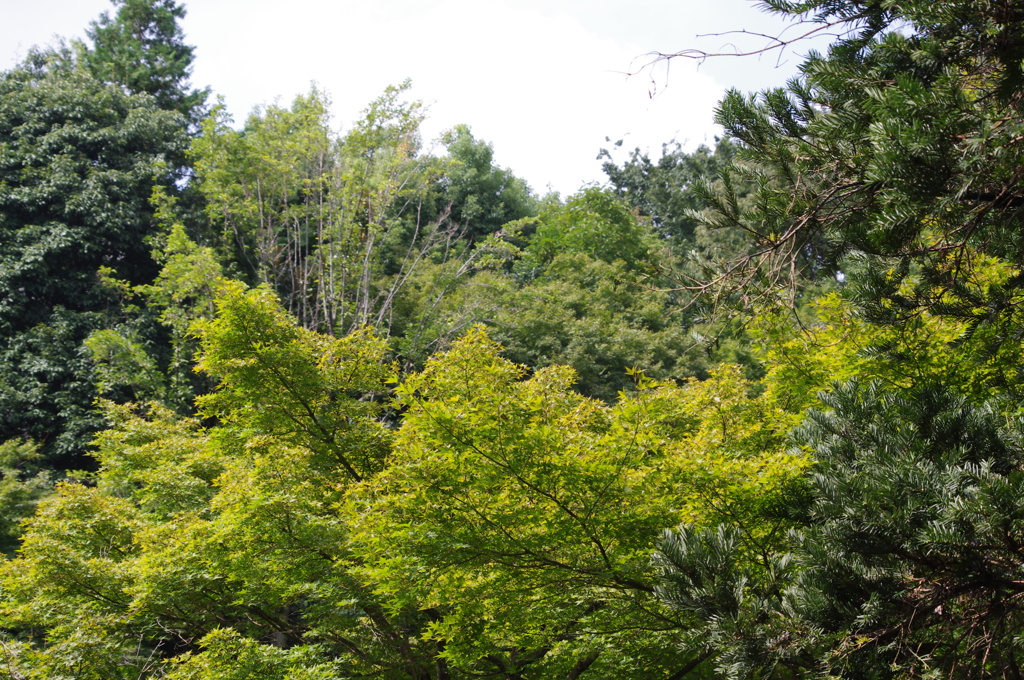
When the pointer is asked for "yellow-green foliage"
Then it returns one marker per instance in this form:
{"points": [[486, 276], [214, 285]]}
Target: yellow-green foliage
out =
{"points": [[523, 510], [928, 346], [508, 520], [279, 379]]}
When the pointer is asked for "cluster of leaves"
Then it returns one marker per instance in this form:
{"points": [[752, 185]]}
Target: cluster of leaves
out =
{"points": [[489, 502], [79, 162], [582, 284], [893, 159], [504, 528]]}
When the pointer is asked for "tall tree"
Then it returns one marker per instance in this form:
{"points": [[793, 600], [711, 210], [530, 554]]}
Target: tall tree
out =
{"points": [[334, 223], [900, 146], [482, 196], [896, 158], [664, 190], [78, 163], [142, 49]]}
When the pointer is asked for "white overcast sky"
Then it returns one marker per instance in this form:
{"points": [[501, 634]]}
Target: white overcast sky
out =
{"points": [[543, 80]]}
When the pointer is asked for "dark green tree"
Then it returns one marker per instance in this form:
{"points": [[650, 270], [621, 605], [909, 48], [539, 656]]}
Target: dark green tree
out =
{"points": [[482, 196], [664, 191], [913, 553], [908, 561], [895, 158], [142, 49], [898, 147], [78, 163]]}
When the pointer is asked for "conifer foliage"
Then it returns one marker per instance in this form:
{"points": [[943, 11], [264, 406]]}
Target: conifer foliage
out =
{"points": [[900, 145], [895, 158], [908, 559]]}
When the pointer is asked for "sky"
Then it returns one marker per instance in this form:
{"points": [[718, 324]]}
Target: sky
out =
{"points": [[544, 81]]}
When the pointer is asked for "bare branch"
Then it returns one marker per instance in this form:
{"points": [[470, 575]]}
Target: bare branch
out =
{"points": [[775, 43]]}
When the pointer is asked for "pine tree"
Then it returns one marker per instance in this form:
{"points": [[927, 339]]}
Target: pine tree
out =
{"points": [[908, 561], [898, 148], [894, 157]]}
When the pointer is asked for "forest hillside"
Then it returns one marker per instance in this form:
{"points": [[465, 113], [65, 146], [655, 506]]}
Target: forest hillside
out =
{"points": [[284, 402]]}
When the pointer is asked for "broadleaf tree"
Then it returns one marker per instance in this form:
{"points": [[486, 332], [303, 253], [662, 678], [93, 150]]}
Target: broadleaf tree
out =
{"points": [[80, 159]]}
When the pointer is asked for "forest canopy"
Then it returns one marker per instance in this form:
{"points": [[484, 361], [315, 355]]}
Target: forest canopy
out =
{"points": [[283, 401]]}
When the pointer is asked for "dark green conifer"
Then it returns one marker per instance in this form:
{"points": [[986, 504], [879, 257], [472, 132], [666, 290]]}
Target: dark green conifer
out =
{"points": [[142, 49]]}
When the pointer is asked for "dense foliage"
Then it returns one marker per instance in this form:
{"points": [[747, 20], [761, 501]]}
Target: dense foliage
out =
{"points": [[357, 409], [79, 162]]}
